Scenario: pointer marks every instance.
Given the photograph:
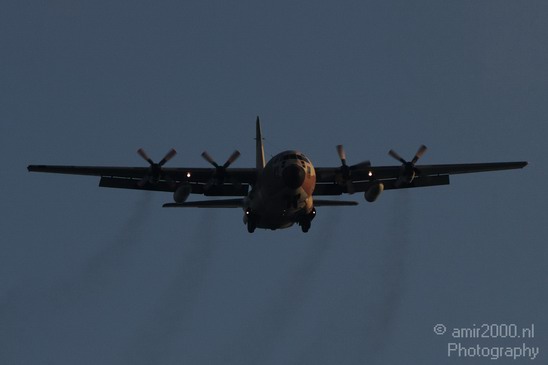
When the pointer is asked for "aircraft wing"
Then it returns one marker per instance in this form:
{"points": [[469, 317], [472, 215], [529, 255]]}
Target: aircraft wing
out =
{"points": [[450, 169], [328, 179], [222, 203], [236, 182], [333, 203]]}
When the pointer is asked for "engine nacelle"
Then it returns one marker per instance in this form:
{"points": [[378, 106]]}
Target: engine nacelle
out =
{"points": [[181, 194], [407, 174], [373, 192]]}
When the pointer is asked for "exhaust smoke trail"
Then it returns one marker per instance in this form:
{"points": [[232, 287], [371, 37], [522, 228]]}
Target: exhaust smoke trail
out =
{"points": [[102, 267], [377, 323], [392, 274], [158, 337], [82, 296], [290, 299]]}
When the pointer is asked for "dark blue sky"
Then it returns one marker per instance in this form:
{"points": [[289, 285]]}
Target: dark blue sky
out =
{"points": [[91, 275]]}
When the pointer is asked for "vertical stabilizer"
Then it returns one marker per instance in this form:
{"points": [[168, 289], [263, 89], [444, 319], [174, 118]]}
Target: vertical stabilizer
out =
{"points": [[259, 147]]}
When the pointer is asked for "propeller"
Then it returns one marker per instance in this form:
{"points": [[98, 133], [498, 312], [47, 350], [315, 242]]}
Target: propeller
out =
{"points": [[408, 167], [219, 173], [155, 171], [346, 171], [419, 154]]}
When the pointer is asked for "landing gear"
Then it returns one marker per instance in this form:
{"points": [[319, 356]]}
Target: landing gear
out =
{"points": [[251, 225], [251, 221], [305, 225], [306, 222]]}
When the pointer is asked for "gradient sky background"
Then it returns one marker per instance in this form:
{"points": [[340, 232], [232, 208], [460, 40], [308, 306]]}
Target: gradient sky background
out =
{"points": [[104, 276]]}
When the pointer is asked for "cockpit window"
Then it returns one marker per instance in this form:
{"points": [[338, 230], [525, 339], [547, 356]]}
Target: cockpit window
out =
{"points": [[294, 156]]}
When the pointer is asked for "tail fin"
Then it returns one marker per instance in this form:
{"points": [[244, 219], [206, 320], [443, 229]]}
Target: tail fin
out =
{"points": [[259, 147]]}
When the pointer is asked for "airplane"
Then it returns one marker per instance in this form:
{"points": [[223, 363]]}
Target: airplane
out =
{"points": [[279, 193]]}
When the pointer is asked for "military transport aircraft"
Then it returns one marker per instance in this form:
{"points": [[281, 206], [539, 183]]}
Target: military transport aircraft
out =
{"points": [[281, 192]]}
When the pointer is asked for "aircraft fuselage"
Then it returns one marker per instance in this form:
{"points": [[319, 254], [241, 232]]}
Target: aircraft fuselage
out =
{"points": [[282, 195]]}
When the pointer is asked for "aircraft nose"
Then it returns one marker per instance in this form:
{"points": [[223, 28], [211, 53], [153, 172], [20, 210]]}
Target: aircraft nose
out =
{"points": [[293, 176]]}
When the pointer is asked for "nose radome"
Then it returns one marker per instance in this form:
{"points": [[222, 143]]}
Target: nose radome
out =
{"points": [[293, 176]]}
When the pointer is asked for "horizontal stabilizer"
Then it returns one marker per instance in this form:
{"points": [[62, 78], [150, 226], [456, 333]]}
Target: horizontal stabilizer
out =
{"points": [[333, 203], [223, 203]]}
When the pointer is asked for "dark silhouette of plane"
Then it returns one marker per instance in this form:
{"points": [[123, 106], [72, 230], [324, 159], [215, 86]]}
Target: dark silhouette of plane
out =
{"points": [[281, 192]]}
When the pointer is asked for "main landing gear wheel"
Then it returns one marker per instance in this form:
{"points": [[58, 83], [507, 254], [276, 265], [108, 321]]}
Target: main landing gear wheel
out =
{"points": [[305, 225], [251, 224], [306, 221]]}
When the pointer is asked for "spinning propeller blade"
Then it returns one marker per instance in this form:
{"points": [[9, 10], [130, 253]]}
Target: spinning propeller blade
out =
{"points": [[219, 173], [155, 172]]}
